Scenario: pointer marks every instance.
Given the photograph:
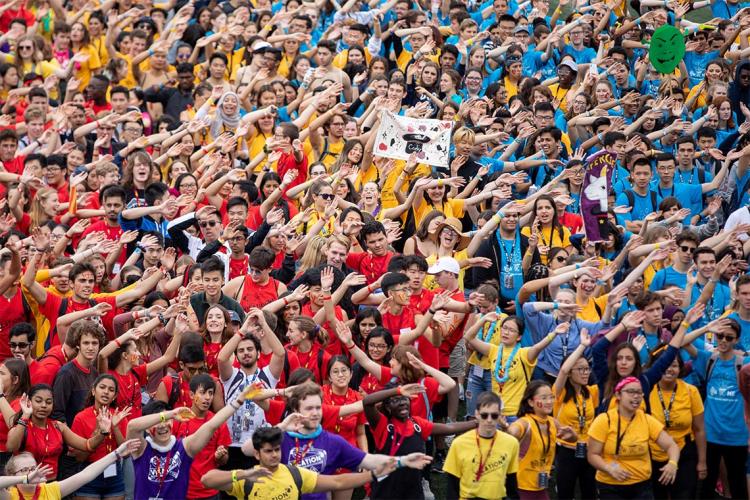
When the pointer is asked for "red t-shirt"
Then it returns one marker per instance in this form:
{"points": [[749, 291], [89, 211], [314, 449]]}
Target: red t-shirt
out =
{"points": [[419, 405], [48, 366], [204, 461], [372, 266], [129, 389], [421, 302], [12, 314], [276, 409], [183, 399], [84, 425], [16, 405], [346, 427], [430, 354], [288, 162], [292, 361], [455, 336], [313, 361], [51, 309], [401, 429], [211, 350], [46, 444], [238, 267], [11, 14]]}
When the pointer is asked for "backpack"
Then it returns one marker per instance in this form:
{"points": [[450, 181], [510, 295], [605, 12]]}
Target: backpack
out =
{"points": [[296, 476], [631, 199], [711, 364], [174, 391]]}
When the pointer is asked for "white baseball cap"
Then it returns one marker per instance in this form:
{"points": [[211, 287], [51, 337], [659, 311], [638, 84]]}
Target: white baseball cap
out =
{"points": [[445, 264]]}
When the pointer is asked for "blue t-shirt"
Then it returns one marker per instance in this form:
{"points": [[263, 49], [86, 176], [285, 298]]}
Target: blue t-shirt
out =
{"points": [[696, 65], [690, 196], [716, 305], [667, 277], [327, 453], [724, 406], [511, 273], [744, 343], [641, 207], [583, 56]]}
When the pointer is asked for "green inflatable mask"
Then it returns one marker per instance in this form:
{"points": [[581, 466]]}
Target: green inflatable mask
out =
{"points": [[667, 49]]}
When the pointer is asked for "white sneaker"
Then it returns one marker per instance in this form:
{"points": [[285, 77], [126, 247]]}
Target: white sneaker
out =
{"points": [[428, 495]]}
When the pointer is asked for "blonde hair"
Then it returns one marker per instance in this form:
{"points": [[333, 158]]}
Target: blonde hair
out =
{"points": [[313, 256], [464, 134], [38, 216]]}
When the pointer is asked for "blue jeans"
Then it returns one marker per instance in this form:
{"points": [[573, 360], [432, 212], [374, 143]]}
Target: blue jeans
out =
{"points": [[476, 386]]}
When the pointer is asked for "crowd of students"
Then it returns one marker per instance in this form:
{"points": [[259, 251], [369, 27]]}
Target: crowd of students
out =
{"points": [[214, 284]]}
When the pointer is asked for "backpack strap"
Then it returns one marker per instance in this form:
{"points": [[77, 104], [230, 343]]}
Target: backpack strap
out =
{"points": [[320, 364], [427, 400], [247, 488], [738, 360], [174, 391], [297, 477], [287, 368], [630, 196], [598, 308]]}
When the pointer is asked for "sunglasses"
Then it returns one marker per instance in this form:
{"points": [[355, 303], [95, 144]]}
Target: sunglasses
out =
{"points": [[487, 415], [208, 223], [327, 196], [720, 336], [687, 249], [25, 47], [19, 345]]}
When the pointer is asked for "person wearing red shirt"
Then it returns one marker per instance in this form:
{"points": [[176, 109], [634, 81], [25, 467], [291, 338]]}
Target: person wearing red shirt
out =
{"points": [[101, 419], [337, 392], [52, 360], [306, 341], [112, 202], [192, 361], [96, 95], [22, 339], [54, 175], [12, 302], [286, 137], [214, 454], [374, 262], [121, 359], [255, 287], [20, 13], [14, 383], [321, 306], [42, 436], [11, 162]]}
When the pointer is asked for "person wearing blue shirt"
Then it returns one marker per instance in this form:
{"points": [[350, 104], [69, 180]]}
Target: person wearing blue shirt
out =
{"points": [[716, 295], [641, 200], [576, 48], [726, 431], [690, 195], [741, 313], [676, 274]]}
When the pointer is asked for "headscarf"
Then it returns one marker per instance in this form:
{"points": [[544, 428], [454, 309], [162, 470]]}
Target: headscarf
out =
{"points": [[221, 119], [627, 380], [739, 93]]}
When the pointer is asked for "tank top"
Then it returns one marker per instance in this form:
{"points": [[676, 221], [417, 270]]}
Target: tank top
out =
{"points": [[255, 295]]}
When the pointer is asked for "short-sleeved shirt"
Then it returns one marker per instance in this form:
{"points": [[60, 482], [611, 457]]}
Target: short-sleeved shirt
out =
{"points": [[686, 405], [84, 425], [204, 460], [636, 434], [451, 207], [463, 460], [568, 412], [48, 491], [279, 486], [520, 371]]}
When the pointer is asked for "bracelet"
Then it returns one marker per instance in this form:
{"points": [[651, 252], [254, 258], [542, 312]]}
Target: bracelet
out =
{"points": [[234, 476], [431, 311], [551, 336], [26, 479], [657, 246], [685, 325], [555, 306], [162, 417], [601, 283], [326, 297], [235, 407], [88, 446], [369, 290], [150, 52], [398, 391], [118, 343], [163, 320], [351, 346], [286, 302], [496, 219], [672, 462], [440, 183], [398, 463]]}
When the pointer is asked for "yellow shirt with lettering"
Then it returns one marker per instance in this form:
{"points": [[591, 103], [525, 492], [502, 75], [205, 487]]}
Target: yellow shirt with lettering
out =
{"points": [[538, 453], [636, 436], [279, 486]]}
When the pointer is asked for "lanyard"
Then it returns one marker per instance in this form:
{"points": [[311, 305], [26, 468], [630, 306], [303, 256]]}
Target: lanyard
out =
{"points": [[667, 409], [502, 374], [298, 456], [396, 441], [658, 188], [621, 436], [509, 256], [581, 411], [482, 461], [162, 472], [545, 446], [490, 331]]}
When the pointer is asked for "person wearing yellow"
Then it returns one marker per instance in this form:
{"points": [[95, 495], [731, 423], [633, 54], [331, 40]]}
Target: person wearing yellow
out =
{"points": [[479, 462], [272, 479], [678, 405], [575, 405], [592, 308], [322, 217], [546, 228], [512, 365], [450, 242], [536, 430], [619, 444], [80, 41]]}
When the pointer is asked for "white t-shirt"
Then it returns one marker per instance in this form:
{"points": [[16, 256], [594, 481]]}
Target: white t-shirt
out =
{"points": [[250, 416]]}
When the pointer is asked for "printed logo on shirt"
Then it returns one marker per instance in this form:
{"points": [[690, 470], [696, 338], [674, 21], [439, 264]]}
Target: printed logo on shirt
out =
{"points": [[314, 459], [157, 465]]}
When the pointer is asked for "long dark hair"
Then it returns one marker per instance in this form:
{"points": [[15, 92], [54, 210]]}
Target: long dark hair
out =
{"points": [[90, 399], [17, 368], [367, 312], [570, 390], [32, 392], [531, 389], [613, 377]]}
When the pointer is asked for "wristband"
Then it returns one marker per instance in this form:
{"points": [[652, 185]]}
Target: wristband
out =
{"points": [[496, 219], [286, 302], [399, 465], [163, 320], [578, 266], [162, 417], [88, 446], [351, 346], [234, 476], [118, 343], [600, 283], [555, 306], [117, 455], [440, 183], [672, 462], [26, 479], [150, 52], [431, 311], [685, 325], [551, 336], [327, 297]]}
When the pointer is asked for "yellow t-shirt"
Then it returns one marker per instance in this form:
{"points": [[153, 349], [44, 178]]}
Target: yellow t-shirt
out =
{"points": [[567, 412], [539, 454], [429, 281], [85, 70], [327, 230], [650, 272], [101, 49], [687, 404], [519, 375], [387, 198], [477, 359], [452, 207], [463, 462], [551, 239], [47, 491], [560, 94], [591, 310], [636, 436], [280, 486], [342, 57]]}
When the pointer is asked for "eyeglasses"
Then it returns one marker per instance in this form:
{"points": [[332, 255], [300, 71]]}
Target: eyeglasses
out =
{"points": [[720, 336], [343, 371], [18, 345], [326, 196], [686, 248], [25, 47], [25, 470], [633, 392], [378, 347], [487, 415], [583, 369], [208, 223]]}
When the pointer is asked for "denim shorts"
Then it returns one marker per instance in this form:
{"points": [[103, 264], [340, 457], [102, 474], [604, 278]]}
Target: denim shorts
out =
{"points": [[101, 487]]}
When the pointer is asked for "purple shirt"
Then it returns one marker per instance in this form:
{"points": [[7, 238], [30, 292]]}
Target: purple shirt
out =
{"points": [[162, 475], [323, 455]]}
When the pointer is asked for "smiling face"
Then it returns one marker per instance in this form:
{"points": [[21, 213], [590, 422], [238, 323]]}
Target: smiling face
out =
{"points": [[543, 400], [631, 396]]}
